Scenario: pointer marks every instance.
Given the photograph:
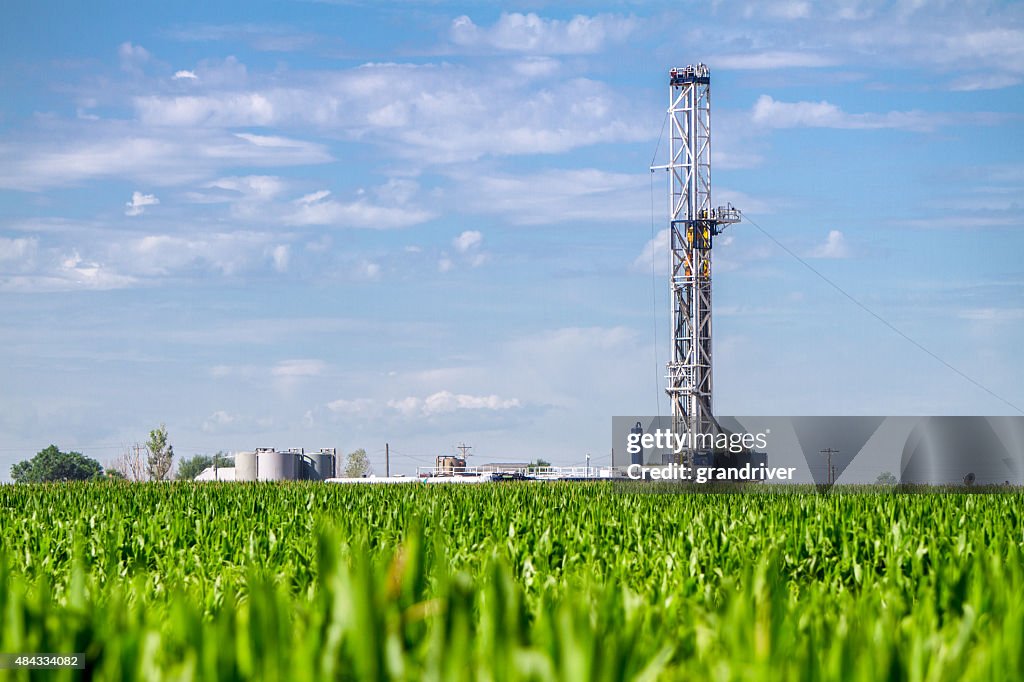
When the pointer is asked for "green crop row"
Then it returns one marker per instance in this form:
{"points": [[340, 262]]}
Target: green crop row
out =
{"points": [[511, 582]]}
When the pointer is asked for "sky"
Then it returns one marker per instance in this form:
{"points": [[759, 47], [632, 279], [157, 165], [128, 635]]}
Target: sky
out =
{"points": [[345, 224]]}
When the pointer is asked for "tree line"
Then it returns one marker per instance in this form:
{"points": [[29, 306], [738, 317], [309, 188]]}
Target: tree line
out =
{"points": [[153, 461]]}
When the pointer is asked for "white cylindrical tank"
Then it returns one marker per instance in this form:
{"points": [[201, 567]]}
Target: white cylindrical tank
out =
{"points": [[245, 466], [276, 466]]}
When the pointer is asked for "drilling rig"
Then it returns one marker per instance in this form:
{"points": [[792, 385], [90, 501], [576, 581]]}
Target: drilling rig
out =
{"points": [[693, 225]]}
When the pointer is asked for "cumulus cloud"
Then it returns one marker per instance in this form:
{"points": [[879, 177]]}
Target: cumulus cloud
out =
{"points": [[470, 239], [455, 110], [185, 75], [835, 246], [444, 402], [514, 32], [68, 272], [158, 255], [138, 203], [216, 421], [654, 254]]}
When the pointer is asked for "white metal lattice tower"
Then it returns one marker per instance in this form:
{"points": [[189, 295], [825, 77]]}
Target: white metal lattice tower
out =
{"points": [[693, 224]]}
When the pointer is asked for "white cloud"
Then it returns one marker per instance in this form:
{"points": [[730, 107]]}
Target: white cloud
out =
{"points": [[216, 421], [17, 249], [161, 254], [226, 109], [258, 186], [455, 110], [514, 32], [316, 209], [772, 59], [984, 81], [97, 150], [357, 407], [444, 402], [132, 57], [281, 254], [298, 368], [366, 270], [992, 315], [139, 202], [68, 273], [556, 196], [470, 239], [445, 264], [835, 246], [185, 75], [773, 114], [313, 197], [265, 37], [654, 254]]}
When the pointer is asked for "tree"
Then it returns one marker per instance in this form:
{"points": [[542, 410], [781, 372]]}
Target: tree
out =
{"points": [[51, 464], [538, 464], [130, 463], [189, 468], [161, 455], [357, 464], [886, 478]]}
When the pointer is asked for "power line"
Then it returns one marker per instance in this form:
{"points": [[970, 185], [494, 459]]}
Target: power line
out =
{"points": [[881, 319], [654, 271]]}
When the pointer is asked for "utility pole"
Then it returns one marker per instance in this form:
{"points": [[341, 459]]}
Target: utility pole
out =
{"points": [[464, 449], [387, 460], [830, 473]]}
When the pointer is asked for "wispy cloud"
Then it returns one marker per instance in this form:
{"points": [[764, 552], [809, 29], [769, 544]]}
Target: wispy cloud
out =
{"points": [[266, 37], [770, 113], [318, 209], [772, 59], [514, 32], [557, 196], [159, 157]]}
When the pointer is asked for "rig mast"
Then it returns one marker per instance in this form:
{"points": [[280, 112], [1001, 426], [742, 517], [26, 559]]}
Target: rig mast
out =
{"points": [[693, 224]]}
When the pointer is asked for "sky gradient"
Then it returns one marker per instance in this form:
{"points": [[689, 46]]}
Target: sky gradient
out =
{"points": [[316, 224]]}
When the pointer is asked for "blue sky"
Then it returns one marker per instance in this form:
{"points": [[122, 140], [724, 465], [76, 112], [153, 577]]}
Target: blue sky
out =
{"points": [[301, 224]]}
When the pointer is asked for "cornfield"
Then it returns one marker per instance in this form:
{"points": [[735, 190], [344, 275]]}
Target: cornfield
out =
{"points": [[510, 582]]}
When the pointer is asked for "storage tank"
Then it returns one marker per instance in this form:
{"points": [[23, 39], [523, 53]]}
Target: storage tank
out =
{"points": [[275, 466], [324, 463], [245, 466]]}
